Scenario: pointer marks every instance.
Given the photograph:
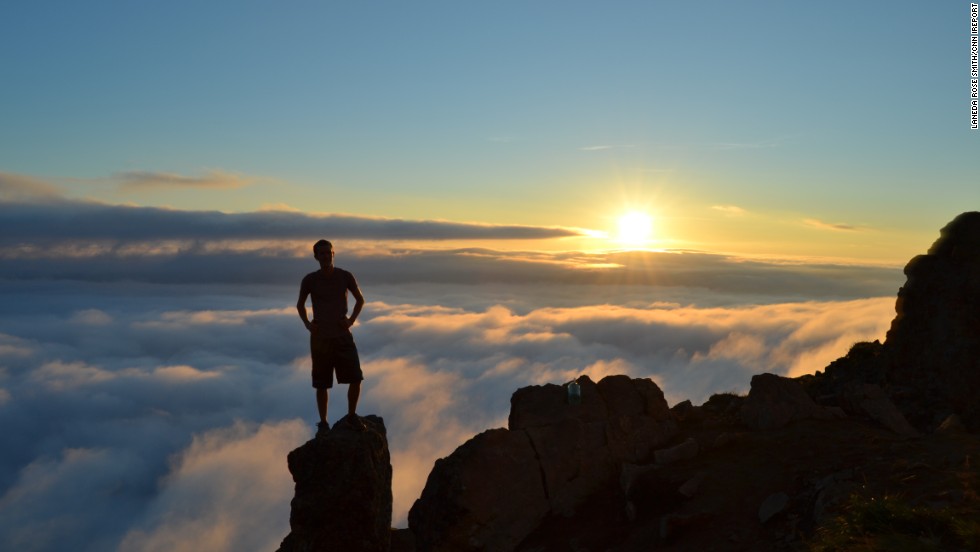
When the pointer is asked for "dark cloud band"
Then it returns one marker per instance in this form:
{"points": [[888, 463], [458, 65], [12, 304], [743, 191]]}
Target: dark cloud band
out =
{"points": [[28, 222], [197, 264]]}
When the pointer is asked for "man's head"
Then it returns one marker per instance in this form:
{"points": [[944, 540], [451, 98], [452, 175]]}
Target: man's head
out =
{"points": [[323, 251]]}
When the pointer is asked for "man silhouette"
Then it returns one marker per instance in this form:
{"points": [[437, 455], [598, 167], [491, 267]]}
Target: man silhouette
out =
{"points": [[331, 342]]}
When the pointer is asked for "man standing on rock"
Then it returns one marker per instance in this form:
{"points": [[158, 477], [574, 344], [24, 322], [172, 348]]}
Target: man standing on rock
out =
{"points": [[331, 342]]}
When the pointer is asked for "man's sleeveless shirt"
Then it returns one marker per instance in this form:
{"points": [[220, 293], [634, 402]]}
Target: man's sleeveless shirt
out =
{"points": [[329, 295]]}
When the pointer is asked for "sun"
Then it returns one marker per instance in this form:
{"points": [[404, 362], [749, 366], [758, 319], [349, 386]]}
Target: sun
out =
{"points": [[635, 228]]}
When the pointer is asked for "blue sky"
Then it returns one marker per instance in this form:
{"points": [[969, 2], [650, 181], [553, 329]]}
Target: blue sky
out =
{"points": [[166, 166], [545, 113]]}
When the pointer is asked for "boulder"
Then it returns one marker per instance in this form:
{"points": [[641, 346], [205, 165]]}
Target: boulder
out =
{"points": [[772, 505], [952, 425], [630, 473], [578, 445], [487, 495], [541, 405], [775, 401], [633, 439], [343, 491], [692, 485], [492, 491], [684, 451], [639, 419], [574, 461], [870, 399], [622, 397], [654, 403]]}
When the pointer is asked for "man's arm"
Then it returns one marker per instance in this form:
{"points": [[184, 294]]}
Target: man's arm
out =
{"points": [[301, 306], [358, 303]]}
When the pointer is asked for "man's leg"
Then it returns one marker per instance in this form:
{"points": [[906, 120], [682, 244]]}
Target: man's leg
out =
{"points": [[322, 396], [353, 393]]}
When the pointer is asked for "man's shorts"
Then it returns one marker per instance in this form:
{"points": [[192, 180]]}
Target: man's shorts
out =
{"points": [[334, 353]]}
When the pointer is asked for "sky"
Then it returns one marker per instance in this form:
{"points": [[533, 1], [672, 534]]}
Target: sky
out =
{"points": [[166, 167]]}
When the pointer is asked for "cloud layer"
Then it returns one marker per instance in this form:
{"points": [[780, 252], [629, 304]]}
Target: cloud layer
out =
{"points": [[58, 240], [154, 374], [49, 221], [136, 415]]}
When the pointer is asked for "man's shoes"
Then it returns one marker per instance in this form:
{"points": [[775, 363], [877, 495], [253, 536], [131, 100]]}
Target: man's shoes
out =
{"points": [[322, 428]]}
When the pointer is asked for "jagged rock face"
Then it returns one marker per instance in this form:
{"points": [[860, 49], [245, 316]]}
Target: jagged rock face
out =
{"points": [[932, 350], [496, 488], [343, 491]]}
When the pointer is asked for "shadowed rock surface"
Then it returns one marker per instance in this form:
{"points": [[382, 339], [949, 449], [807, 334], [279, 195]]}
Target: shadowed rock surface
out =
{"points": [[487, 495], [343, 491], [932, 351], [495, 489], [775, 401]]}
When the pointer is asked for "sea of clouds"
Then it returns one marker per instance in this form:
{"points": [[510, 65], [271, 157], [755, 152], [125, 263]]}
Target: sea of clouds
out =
{"points": [[154, 373]]}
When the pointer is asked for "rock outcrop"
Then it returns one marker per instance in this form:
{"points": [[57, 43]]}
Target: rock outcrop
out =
{"points": [[775, 401], [929, 364], [496, 488], [486, 495], [932, 351], [343, 491], [870, 400]]}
